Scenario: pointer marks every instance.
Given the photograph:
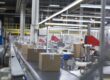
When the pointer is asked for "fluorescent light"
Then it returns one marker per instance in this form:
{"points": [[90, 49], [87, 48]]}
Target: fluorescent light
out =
{"points": [[2, 8], [93, 6], [2, 2], [63, 10], [86, 16], [62, 24], [95, 29], [73, 20], [61, 27], [53, 5], [46, 10]]}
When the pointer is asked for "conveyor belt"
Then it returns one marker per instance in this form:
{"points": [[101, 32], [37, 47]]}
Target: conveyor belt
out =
{"points": [[16, 69], [40, 75], [62, 75]]}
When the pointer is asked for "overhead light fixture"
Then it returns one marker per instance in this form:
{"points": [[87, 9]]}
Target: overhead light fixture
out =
{"points": [[73, 20], [54, 5], [63, 10], [62, 24], [93, 6], [2, 2], [96, 29], [57, 28], [2, 8], [86, 16], [46, 10], [62, 28]]}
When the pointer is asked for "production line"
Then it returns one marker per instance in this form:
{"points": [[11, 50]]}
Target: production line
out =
{"points": [[54, 40]]}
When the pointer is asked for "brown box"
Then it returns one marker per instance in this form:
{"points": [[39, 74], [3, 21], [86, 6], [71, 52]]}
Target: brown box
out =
{"points": [[49, 63], [78, 50], [30, 53], [25, 56], [33, 54], [18, 45], [25, 50]]}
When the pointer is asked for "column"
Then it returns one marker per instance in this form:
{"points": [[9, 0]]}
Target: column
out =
{"points": [[81, 23], [22, 19], [34, 21], [102, 38]]}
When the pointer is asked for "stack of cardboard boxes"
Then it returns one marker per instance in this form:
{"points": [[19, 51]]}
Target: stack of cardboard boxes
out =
{"points": [[33, 54], [45, 61], [25, 50], [18, 45], [30, 53]]}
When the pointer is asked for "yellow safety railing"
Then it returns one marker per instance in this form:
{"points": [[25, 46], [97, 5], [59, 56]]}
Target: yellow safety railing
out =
{"points": [[15, 28]]}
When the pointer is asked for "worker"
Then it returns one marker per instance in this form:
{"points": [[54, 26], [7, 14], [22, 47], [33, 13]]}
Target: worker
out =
{"points": [[7, 38], [82, 48], [65, 58], [71, 63], [94, 54], [81, 41]]}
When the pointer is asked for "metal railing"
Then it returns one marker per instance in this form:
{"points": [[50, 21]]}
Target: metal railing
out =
{"points": [[27, 66]]}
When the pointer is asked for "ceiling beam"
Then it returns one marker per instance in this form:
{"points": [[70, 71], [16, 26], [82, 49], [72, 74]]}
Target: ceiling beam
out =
{"points": [[63, 10], [85, 16], [93, 6], [73, 20], [62, 24]]}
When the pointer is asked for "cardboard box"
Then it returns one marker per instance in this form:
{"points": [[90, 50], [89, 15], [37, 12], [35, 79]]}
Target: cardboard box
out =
{"points": [[49, 63], [18, 45], [25, 50], [33, 54], [78, 50], [25, 56]]}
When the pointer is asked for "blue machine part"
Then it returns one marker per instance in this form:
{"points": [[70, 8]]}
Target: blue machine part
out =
{"points": [[1, 33], [66, 56], [1, 40]]}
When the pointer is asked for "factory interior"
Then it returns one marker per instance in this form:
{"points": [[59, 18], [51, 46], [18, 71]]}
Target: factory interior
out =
{"points": [[54, 39]]}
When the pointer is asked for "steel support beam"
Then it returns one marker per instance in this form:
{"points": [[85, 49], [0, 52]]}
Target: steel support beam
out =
{"points": [[102, 36], [94, 6], [35, 21], [81, 23], [22, 19]]}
